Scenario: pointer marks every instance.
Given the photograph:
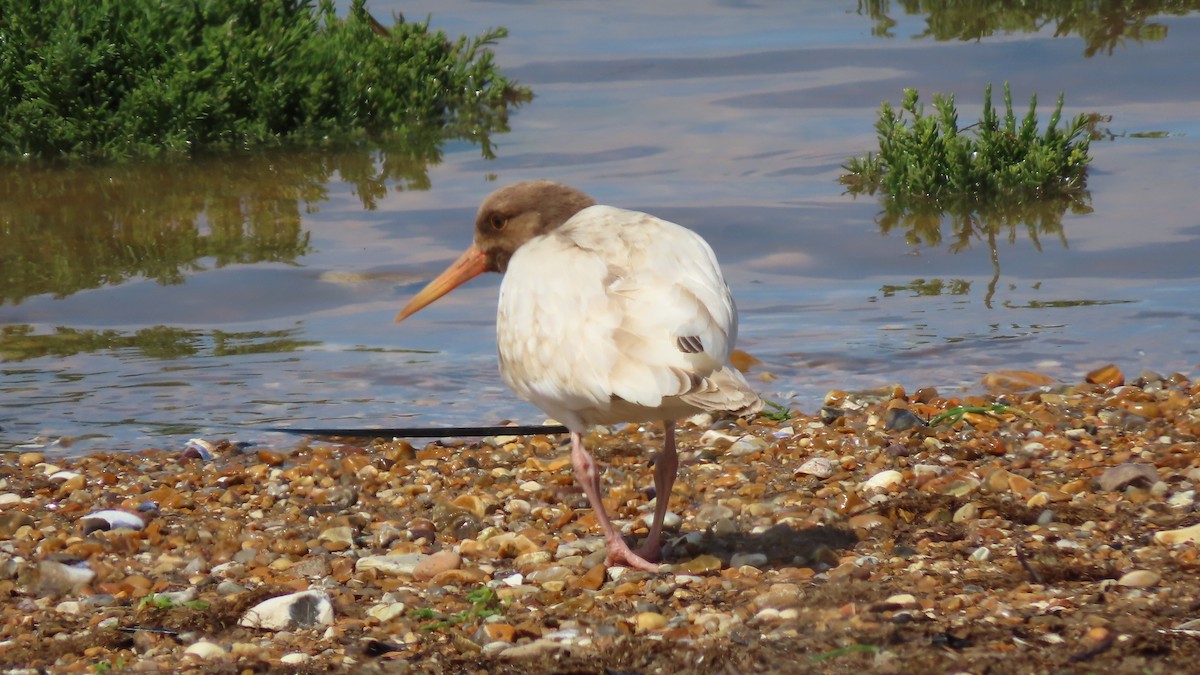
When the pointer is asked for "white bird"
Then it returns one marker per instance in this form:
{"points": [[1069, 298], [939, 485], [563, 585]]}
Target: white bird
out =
{"points": [[605, 315]]}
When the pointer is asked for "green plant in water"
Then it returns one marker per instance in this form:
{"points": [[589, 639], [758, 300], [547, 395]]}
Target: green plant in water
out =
{"points": [[929, 157], [997, 175], [117, 78]]}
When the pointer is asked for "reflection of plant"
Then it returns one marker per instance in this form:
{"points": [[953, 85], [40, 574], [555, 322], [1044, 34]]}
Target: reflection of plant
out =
{"points": [[931, 287], [18, 342], [65, 229], [1103, 25], [140, 77]]}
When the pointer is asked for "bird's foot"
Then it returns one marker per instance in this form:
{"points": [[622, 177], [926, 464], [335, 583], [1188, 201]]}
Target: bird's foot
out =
{"points": [[619, 553], [650, 550]]}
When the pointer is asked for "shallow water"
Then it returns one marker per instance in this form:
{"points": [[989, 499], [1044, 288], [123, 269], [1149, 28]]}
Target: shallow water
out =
{"points": [[276, 305]]}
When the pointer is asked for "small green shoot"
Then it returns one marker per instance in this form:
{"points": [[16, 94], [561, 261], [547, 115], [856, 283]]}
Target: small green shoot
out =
{"points": [[105, 667], [162, 601], [956, 413], [776, 412], [484, 603], [836, 653]]}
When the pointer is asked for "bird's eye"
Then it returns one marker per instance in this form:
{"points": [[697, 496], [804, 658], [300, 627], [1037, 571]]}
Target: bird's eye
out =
{"points": [[497, 221]]}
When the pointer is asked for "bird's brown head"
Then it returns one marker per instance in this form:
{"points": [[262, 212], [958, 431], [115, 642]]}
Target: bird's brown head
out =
{"points": [[507, 219]]}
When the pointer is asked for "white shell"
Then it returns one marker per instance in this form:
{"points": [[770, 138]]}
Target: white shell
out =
{"points": [[299, 610], [111, 519]]}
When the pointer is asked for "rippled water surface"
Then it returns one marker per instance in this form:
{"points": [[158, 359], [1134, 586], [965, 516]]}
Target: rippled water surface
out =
{"points": [[732, 119]]}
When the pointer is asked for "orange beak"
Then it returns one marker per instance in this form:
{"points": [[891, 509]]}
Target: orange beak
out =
{"points": [[469, 265]]}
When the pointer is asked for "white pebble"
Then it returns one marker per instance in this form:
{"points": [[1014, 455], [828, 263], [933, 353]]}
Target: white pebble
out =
{"points": [[206, 650], [884, 480]]}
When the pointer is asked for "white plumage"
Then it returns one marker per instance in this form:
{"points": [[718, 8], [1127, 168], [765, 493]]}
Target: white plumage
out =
{"points": [[605, 315]]}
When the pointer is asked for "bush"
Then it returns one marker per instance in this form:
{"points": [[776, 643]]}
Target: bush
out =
{"points": [[115, 78], [929, 157]]}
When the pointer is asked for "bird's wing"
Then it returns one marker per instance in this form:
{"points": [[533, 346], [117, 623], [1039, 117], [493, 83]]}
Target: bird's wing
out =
{"points": [[616, 303]]}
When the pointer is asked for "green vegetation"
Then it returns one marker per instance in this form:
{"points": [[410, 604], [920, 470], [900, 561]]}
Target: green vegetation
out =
{"points": [[484, 603], [162, 601], [118, 78], [844, 651], [956, 413], [990, 180], [105, 667], [1102, 24], [928, 157], [776, 411]]}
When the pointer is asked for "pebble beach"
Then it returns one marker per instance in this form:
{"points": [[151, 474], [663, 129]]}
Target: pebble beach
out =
{"points": [[1031, 526]]}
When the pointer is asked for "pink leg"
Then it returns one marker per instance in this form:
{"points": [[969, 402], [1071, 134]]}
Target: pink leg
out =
{"points": [[666, 465], [588, 476]]}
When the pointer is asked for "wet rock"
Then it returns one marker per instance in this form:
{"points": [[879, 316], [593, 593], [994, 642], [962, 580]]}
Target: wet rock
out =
{"points": [[337, 538], [817, 466], [901, 419], [645, 622], [966, 513], [312, 567], [748, 560], [700, 565], [884, 480], [746, 445], [198, 448], [1180, 536], [28, 459], [830, 414], [671, 520], [435, 564], [387, 611], [593, 580], [1139, 579], [205, 650], [1130, 473], [712, 512], [900, 601], [11, 521], [403, 564], [537, 649], [1108, 375], [1015, 380], [494, 632], [51, 578], [306, 609]]}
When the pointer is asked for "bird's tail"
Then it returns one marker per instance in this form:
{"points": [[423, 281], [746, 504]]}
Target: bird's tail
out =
{"points": [[725, 390]]}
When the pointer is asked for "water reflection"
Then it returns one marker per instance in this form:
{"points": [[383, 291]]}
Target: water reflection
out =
{"points": [[1104, 25], [64, 229], [20, 342], [969, 219]]}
